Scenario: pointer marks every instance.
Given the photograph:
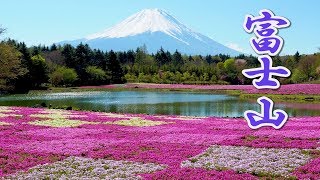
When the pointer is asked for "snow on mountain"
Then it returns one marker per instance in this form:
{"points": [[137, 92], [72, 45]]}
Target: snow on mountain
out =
{"points": [[155, 28]]}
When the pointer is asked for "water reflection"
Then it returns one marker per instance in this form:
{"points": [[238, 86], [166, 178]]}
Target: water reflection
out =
{"points": [[155, 102]]}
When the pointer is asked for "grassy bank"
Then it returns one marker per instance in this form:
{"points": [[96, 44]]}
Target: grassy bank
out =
{"points": [[298, 98]]}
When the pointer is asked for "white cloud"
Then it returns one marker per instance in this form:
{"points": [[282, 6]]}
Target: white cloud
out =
{"points": [[235, 47]]}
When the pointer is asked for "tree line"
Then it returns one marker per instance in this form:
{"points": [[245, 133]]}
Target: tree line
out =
{"points": [[38, 67]]}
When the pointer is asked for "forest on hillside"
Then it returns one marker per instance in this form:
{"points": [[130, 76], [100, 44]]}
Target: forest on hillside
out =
{"points": [[39, 67]]}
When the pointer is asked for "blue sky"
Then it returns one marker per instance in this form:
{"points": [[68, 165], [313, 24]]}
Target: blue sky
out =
{"points": [[46, 22]]}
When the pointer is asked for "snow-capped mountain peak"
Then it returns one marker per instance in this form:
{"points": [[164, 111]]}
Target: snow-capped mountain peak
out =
{"points": [[147, 20], [154, 28]]}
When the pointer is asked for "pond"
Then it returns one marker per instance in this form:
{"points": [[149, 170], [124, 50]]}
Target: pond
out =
{"points": [[155, 102]]}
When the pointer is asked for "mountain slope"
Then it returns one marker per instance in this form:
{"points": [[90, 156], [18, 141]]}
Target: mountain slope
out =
{"points": [[155, 28]]}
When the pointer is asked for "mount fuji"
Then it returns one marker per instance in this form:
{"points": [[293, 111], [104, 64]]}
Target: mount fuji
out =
{"points": [[154, 28]]}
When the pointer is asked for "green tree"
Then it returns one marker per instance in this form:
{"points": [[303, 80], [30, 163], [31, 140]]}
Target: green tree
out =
{"points": [[307, 65], [24, 83], [231, 70], [98, 60], [297, 57], [298, 76], [96, 75], [178, 77], [130, 78], [53, 47], [63, 76], [289, 63], [220, 71], [83, 56], [68, 53], [162, 57], [177, 58], [11, 67], [206, 77], [276, 61], [114, 68], [38, 71], [213, 78], [141, 54]]}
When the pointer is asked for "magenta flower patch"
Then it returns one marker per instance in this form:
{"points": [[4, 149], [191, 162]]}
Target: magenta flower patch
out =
{"points": [[159, 148]]}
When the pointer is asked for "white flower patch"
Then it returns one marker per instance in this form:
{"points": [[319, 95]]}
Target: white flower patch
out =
{"points": [[17, 116], [57, 118], [114, 115], [57, 112], [51, 114], [4, 123], [139, 122], [278, 162], [4, 109], [87, 168], [8, 112]]}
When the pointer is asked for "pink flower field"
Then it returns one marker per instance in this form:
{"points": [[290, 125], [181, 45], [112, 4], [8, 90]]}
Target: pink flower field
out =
{"points": [[308, 89], [57, 144]]}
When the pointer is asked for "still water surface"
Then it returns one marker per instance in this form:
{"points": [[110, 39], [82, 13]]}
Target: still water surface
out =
{"points": [[156, 102]]}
